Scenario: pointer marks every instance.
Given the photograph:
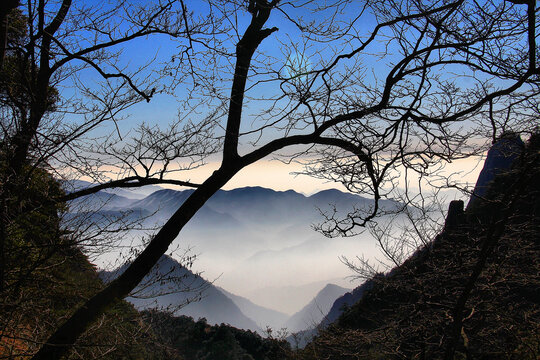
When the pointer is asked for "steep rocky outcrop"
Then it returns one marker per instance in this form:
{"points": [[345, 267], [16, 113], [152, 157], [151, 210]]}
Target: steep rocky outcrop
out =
{"points": [[499, 160]]}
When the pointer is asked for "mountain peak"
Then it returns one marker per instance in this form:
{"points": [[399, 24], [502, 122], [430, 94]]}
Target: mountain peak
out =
{"points": [[332, 287], [328, 191], [314, 312]]}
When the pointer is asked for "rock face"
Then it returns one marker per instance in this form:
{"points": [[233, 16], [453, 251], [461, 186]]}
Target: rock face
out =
{"points": [[454, 216], [499, 159]]}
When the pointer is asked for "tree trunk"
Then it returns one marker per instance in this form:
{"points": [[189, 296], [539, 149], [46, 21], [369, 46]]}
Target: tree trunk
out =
{"points": [[61, 341], [64, 338]]}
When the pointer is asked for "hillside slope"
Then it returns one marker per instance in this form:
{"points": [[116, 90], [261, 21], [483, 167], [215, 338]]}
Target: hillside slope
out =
{"points": [[196, 340], [47, 276], [473, 293], [314, 312], [172, 287]]}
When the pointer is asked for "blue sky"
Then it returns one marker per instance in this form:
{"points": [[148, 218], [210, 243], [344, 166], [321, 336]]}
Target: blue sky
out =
{"points": [[281, 47]]}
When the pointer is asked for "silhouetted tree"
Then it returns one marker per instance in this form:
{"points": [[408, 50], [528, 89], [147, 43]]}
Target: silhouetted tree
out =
{"points": [[41, 47], [447, 75]]}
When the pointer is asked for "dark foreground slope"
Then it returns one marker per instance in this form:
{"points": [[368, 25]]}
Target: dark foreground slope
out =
{"points": [[46, 276], [46, 299], [472, 294], [194, 340]]}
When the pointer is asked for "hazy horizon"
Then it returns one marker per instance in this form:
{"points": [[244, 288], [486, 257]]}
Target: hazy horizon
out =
{"points": [[275, 175], [243, 266], [248, 247]]}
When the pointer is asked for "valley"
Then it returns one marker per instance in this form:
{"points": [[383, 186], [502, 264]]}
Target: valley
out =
{"points": [[253, 242]]}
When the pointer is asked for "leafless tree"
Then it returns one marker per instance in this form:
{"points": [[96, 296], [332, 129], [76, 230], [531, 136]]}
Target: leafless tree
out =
{"points": [[363, 90], [46, 112]]}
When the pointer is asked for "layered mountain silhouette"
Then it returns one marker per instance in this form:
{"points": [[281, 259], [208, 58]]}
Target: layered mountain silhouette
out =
{"points": [[264, 317], [296, 297], [303, 335], [249, 238], [248, 235], [314, 312], [172, 287]]}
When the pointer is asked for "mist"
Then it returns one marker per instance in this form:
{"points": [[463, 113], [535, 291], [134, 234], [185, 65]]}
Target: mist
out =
{"points": [[254, 242]]}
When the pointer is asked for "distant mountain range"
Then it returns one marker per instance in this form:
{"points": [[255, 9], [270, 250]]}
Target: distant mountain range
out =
{"points": [[295, 297], [264, 317], [130, 193], [172, 287], [257, 242], [314, 312]]}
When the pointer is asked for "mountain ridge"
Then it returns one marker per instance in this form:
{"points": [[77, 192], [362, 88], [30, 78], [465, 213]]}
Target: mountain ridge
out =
{"points": [[315, 311], [171, 286], [252, 229]]}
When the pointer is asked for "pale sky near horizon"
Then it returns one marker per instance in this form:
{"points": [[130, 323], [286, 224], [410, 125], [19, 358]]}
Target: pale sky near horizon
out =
{"points": [[278, 176], [269, 174]]}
